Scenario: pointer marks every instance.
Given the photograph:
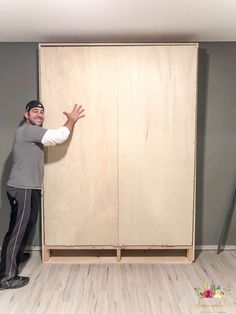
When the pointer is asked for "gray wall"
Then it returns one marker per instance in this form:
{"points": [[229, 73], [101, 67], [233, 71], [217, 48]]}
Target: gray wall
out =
{"points": [[18, 85], [216, 140], [216, 167]]}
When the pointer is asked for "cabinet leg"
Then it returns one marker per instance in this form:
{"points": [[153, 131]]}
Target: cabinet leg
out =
{"points": [[45, 254], [190, 254], [118, 252]]}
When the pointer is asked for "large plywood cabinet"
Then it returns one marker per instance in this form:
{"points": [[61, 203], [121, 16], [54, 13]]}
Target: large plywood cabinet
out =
{"points": [[126, 177]]}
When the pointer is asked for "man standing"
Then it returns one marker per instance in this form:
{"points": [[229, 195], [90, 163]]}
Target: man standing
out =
{"points": [[24, 186]]}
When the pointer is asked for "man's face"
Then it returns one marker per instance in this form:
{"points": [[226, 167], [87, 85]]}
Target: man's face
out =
{"points": [[35, 116]]}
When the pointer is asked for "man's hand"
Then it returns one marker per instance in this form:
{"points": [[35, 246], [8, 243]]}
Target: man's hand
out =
{"points": [[73, 116]]}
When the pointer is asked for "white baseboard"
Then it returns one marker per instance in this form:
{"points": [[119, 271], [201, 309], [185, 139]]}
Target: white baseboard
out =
{"points": [[215, 247], [30, 248], [197, 247], [33, 248]]}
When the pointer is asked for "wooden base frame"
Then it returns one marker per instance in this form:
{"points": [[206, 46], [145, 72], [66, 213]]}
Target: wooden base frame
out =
{"points": [[120, 254]]}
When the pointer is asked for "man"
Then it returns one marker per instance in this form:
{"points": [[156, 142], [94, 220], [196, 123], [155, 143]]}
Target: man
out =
{"points": [[24, 186]]}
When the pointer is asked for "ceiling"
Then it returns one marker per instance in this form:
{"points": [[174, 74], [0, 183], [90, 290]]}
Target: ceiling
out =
{"points": [[117, 20]]}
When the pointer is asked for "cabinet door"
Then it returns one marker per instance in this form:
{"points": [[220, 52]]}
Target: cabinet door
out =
{"points": [[157, 103], [81, 183]]}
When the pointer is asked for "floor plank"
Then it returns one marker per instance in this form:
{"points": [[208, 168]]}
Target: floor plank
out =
{"points": [[123, 289]]}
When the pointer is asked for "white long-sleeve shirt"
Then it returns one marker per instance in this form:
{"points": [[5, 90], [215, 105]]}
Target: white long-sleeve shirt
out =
{"points": [[55, 136]]}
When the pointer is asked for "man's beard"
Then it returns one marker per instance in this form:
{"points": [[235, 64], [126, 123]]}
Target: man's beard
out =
{"points": [[35, 123]]}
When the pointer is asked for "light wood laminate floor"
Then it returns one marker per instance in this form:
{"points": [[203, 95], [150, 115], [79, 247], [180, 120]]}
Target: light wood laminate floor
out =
{"points": [[123, 289]]}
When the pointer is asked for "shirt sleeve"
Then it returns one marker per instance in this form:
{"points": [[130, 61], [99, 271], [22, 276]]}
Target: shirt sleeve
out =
{"points": [[34, 133], [55, 136]]}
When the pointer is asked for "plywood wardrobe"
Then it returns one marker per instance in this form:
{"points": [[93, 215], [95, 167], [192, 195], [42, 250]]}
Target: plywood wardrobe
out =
{"points": [[125, 180]]}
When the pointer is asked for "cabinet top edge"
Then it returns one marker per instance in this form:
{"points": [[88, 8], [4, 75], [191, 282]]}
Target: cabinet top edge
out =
{"points": [[41, 45]]}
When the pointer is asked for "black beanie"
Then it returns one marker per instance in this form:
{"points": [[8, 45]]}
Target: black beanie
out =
{"points": [[33, 104]]}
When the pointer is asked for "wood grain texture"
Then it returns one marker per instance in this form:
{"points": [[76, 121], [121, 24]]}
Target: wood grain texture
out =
{"points": [[157, 145], [80, 183], [123, 289], [127, 174]]}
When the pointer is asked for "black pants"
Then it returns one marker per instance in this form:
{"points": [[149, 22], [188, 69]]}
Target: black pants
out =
{"points": [[25, 205]]}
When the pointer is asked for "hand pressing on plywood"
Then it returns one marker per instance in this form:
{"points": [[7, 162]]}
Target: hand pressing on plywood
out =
{"points": [[74, 116]]}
